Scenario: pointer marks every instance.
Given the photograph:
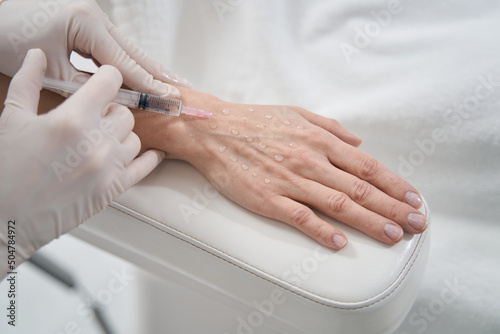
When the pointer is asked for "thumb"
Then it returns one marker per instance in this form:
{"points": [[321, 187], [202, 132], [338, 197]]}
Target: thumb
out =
{"points": [[24, 90]]}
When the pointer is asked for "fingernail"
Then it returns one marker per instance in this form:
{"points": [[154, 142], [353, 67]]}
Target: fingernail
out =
{"points": [[413, 199], [171, 92], [393, 232], [417, 221], [339, 240]]}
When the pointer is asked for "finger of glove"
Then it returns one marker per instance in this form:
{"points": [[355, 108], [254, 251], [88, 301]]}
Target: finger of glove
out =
{"points": [[95, 95], [142, 166], [130, 148], [107, 51], [62, 69], [144, 60], [119, 122], [24, 90]]}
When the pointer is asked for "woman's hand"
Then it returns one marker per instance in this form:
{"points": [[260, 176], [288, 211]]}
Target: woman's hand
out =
{"points": [[279, 161]]}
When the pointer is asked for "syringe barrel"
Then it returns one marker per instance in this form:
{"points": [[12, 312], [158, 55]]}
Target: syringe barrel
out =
{"points": [[149, 102], [127, 98]]}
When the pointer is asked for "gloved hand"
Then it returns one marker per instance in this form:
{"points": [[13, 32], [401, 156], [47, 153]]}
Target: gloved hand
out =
{"points": [[79, 26], [59, 169]]}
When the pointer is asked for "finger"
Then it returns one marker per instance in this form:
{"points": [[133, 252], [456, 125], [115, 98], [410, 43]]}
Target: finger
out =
{"points": [[330, 125], [95, 95], [143, 165], [62, 69], [118, 121], [369, 197], [358, 163], [339, 206], [304, 219], [131, 146], [24, 90], [145, 61], [134, 75]]}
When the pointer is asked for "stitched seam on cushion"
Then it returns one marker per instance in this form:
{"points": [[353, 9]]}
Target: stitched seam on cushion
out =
{"points": [[417, 251]]}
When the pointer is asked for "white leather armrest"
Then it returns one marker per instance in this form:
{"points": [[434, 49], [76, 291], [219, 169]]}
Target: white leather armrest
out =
{"points": [[176, 225]]}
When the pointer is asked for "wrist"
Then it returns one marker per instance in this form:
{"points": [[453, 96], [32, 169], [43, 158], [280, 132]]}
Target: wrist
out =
{"points": [[176, 135]]}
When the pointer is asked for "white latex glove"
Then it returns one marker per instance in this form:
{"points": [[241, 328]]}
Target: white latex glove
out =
{"points": [[59, 27], [59, 169]]}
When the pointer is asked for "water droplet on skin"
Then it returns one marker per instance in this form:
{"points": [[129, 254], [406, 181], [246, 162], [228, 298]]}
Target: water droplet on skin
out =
{"points": [[222, 148], [278, 137], [261, 126], [293, 145], [225, 111], [262, 145], [250, 109], [249, 139], [269, 116], [286, 122], [244, 119], [235, 132], [267, 181], [254, 174], [244, 167], [233, 159], [300, 127], [278, 157]]}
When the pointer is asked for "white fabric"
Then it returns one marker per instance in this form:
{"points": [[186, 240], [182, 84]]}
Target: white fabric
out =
{"points": [[426, 70]]}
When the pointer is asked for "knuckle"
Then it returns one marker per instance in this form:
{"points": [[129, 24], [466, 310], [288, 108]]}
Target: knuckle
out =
{"points": [[125, 115], [319, 232], [338, 202], [81, 9], [300, 216], [319, 139], [361, 191], [394, 212], [302, 158], [334, 123], [369, 169]]}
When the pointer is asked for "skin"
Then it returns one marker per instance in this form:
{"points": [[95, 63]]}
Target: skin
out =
{"points": [[322, 169]]}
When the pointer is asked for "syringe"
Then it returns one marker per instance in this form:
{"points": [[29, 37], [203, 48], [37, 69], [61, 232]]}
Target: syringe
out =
{"points": [[135, 100]]}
